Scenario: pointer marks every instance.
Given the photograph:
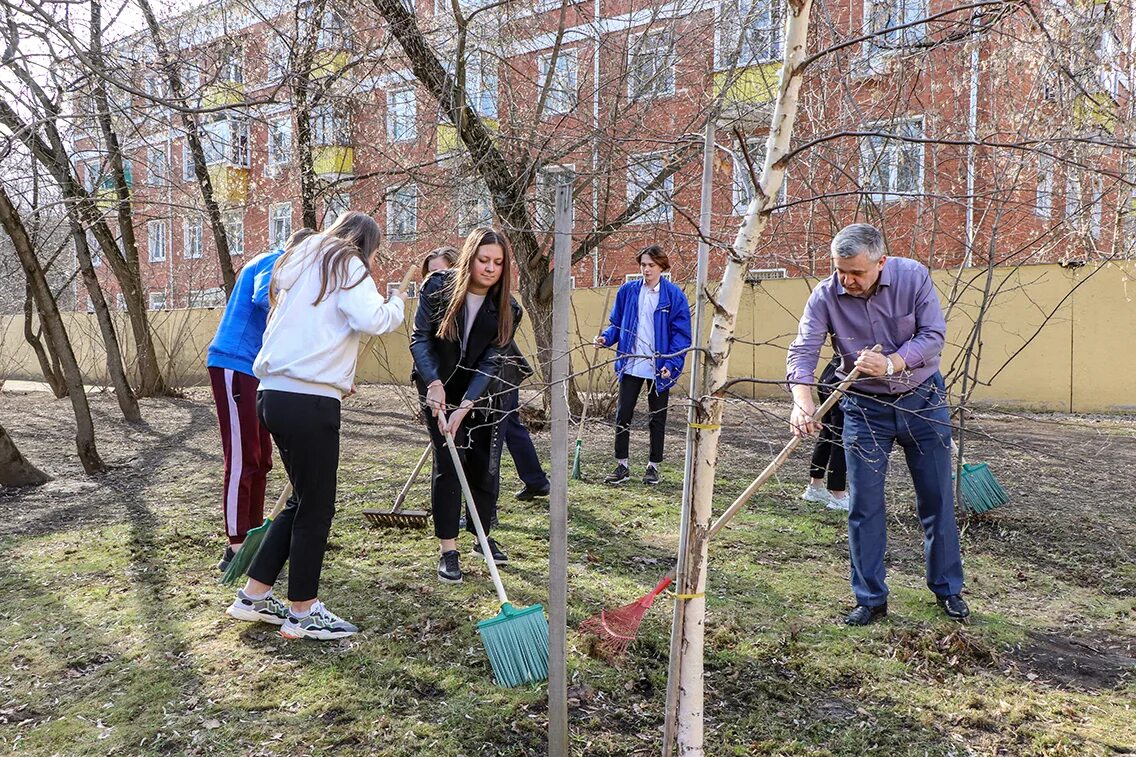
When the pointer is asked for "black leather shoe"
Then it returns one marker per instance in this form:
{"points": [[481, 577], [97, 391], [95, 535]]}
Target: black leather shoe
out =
{"points": [[863, 615], [529, 493], [954, 606]]}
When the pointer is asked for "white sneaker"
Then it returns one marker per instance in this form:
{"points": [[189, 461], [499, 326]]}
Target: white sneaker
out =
{"points": [[269, 609], [816, 494], [321, 623], [838, 503]]}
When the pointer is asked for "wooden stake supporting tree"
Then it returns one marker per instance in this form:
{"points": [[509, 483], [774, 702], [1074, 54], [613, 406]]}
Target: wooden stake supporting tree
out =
{"points": [[709, 404]]}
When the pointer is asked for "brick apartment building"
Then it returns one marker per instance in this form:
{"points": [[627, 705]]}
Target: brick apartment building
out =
{"points": [[889, 121]]}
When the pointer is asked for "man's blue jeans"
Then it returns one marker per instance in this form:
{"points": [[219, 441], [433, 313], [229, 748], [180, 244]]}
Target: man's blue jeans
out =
{"points": [[920, 422]]}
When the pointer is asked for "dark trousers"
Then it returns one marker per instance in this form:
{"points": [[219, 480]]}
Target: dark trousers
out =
{"points": [[305, 428], [513, 434], [629, 387], [247, 447], [481, 462], [828, 454], [920, 422]]}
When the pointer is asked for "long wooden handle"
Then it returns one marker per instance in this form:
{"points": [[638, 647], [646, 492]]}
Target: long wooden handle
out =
{"points": [[471, 507], [413, 477], [406, 277], [281, 502], [783, 455]]}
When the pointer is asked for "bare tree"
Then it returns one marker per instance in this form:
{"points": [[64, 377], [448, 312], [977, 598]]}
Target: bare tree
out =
{"points": [[15, 470]]}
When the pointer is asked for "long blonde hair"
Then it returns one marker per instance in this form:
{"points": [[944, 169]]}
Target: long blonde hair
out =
{"points": [[353, 234], [459, 285]]}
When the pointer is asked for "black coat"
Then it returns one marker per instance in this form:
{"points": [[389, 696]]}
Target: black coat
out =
{"points": [[465, 376]]}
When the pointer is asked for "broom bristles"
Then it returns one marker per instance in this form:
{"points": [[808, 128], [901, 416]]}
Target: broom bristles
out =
{"points": [[577, 474], [516, 642], [241, 561], [981, 492]]}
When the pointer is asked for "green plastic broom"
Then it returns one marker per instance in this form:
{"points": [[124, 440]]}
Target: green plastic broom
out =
{"points": [[241, 561], [516, 640], [981, 492]]}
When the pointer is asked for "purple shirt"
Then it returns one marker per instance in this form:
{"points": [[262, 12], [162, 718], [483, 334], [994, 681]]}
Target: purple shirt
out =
{"points": [[903, 315]]}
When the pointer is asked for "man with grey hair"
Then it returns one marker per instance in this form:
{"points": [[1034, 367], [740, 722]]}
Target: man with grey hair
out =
{"points": [[873, 299]]}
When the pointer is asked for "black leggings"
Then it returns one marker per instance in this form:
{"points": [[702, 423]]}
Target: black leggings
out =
{"points": [[629, 387], [481, 462], [305, 428], [828, 455]]}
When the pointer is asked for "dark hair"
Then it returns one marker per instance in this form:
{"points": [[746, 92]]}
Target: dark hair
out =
{"points": [[459, 285], [656, 254], [447, 252], [353, 234]]}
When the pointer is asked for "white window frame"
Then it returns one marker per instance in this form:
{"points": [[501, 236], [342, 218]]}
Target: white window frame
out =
{"points": [[881, 15], [234, 221], [227, 141], [279, 58], [331, 126], [210, 298], [659, 57], [157, 178], [1096, 206], [662, 211], [157, 300], [563, 88], [333, 31], [1043, 195], [188, 170], [481, 83], [120, 301], [193, 237], [753, 29], [279, 224], [402, 115], [157, 240], [1073, 199], [887, 155], [475, 206], [334, 206], [402, 213], [741, 188], [232, 64], [279, 141]]}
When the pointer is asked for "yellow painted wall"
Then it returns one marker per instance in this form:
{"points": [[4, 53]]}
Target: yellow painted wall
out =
{"points": [[1081, 360]]}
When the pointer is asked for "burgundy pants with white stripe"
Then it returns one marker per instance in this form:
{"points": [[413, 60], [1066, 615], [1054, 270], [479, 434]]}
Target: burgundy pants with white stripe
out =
{"points": [[248, 451]]}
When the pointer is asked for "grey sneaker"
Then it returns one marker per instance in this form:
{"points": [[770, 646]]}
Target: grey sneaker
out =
{"points": [[816, 494], [267, 610], [618, 476], [651, 476], [449, 571], [321, 623]]}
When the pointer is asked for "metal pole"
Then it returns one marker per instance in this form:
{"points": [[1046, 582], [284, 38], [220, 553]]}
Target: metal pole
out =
{"points": [[688, 467], [558, 505]]}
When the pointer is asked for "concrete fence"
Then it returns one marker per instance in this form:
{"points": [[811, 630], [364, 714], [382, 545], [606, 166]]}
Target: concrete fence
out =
{"points": [[1052, 339]]}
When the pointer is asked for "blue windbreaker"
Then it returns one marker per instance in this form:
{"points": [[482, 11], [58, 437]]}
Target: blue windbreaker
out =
{"points": [[672, 329]]}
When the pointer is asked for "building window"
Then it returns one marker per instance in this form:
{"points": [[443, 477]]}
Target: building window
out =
{"points": [[157, 165], [481, 83], [157, 300], [750, 29], [402, 213], [1096, 206], [651, 70], [279, 224], [227, 141], [232, 65], [157, 239], [1043, 202], [883, 16], [562, 87], [332, 32], [193, 229], [475, 207], [188, 172], [402, 115], [206, 298], [547, 180], [891, 168], [657, 206], [280, 141], [742, 181], [333, 207], [93, 250], [120, 301], [330, 126], [278, 59], [1072, 195], [234, 221]]}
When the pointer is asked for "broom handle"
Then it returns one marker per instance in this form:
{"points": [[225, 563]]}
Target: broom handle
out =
{"points": [[281, 502], [782, 456], [471, 508], [413, 477]]}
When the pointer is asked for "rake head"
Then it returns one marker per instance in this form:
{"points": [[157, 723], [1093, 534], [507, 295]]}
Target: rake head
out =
{"points": [[398, 518], [616, 629]]}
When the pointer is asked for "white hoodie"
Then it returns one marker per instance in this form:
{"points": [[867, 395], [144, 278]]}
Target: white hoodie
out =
{"points": [[313, 349]]}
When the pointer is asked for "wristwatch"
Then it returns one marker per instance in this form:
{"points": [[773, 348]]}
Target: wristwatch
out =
{"points": [[890, 366]]}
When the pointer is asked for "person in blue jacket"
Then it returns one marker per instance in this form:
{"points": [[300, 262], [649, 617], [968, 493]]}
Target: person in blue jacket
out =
{"points": [[246, 444], [650, 329]]}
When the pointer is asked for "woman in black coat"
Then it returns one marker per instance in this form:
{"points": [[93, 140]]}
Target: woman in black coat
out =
{"points": [[465, 322]]}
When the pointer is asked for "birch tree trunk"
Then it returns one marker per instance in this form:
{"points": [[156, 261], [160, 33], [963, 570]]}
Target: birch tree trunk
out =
{"points": [[709, 405]]}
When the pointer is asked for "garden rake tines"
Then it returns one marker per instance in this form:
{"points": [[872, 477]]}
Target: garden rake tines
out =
{"points": [[616, 629], [396, 517]]}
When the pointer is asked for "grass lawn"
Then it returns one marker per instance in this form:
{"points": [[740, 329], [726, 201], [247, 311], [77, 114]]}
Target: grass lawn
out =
{"points": [[113, 638]]}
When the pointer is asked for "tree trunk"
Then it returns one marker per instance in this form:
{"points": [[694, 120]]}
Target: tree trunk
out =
{"points": [[48, 365], [53, 325], [15, 470], [710, 405]]}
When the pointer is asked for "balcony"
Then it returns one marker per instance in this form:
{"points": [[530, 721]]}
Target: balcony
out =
{"points": [[222, 94], [447, 135], [230, 184], [333, 161], [748, 94], [328, 62]]}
